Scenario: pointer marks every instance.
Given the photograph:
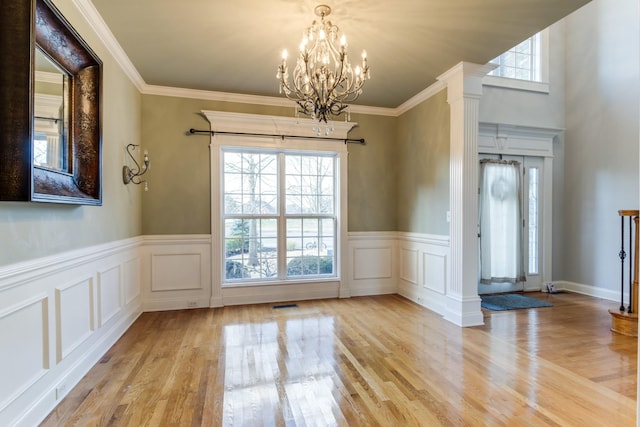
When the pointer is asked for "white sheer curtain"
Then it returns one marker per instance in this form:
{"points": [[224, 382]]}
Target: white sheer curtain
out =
{"points": [[501, 259]]}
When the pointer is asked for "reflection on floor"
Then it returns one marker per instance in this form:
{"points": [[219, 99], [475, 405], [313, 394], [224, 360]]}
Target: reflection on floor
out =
{"points": [[361, 362]]}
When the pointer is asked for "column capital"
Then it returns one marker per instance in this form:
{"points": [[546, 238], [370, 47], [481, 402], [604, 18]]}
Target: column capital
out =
{"points": [[464, 80]]}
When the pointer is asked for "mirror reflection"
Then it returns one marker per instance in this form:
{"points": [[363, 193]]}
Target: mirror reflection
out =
{"points": [[51, 114]]}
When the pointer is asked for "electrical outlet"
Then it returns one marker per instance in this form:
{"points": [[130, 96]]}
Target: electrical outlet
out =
{"points": [[61, 390], [192, 304]]}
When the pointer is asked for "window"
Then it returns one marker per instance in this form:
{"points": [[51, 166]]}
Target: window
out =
{"points": [[40, 150], [533, 231], [524, 67], [279, 214], [522, 62]]}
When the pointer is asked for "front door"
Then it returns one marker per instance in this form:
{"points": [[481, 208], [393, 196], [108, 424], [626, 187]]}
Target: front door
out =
{"points": [[519, 200]]}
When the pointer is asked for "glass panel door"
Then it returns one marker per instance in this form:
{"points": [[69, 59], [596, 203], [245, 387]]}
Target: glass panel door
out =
{"points": [[531, 177]]}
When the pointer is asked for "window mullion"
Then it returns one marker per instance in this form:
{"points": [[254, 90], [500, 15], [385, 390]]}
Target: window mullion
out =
{"points": [[282, 218]]}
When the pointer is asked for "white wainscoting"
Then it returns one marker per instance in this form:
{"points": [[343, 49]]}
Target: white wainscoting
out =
{"points": [[58, 316], [371, 268], [176, 272], [424, 269]]}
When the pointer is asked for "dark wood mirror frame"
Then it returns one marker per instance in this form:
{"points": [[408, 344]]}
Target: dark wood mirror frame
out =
{"points": [[23, 25]]}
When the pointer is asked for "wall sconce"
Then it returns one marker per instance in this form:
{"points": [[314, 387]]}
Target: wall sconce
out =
{"points": [[133, 175]]}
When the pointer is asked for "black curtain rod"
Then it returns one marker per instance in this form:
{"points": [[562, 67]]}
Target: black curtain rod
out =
{"points": [[51, 119], [346, 140]]}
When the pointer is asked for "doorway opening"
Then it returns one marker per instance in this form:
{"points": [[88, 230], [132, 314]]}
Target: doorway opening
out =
{"points": [[510, 223]]}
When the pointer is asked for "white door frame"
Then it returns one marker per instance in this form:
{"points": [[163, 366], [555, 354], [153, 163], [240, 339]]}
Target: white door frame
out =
{"points": [[496, 138], [534, 281]]}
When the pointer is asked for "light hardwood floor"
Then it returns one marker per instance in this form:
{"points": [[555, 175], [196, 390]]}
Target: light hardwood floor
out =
{"points": [[368, 361]]}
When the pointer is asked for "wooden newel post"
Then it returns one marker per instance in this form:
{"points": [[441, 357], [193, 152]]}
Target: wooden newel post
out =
{"points": [[625, 320], [634, 286], [622, 254]]}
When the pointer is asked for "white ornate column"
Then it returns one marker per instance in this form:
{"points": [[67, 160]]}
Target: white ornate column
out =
{"points": [[464, 88]]}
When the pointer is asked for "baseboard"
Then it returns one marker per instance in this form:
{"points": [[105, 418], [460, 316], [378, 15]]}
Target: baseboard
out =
{"points": [[430, 300], [176, 303], [370, 288], [264, 294], [72, 376], [593, 291]]}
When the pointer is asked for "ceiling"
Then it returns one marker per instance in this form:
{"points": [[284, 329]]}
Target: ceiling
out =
{"points": [[235, 46]]}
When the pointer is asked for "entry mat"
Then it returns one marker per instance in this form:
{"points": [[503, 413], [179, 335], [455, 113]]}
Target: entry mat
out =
{"points": [[511, 302]]}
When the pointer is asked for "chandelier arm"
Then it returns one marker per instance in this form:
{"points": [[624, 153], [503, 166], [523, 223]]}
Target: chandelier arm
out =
{"points": [[352, 95], [298, 91], [292, 91], [339, 96], [339, 80], [353, 90]]}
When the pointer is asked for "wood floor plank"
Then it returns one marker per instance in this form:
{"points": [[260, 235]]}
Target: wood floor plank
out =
{"points": [[368, 361]]}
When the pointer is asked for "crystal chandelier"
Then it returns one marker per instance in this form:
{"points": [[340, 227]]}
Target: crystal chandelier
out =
{"points": [[323, 81]]}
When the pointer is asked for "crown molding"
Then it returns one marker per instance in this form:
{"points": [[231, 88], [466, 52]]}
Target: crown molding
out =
{"points": [[419, 98], [249, 99], [376, 111], [93, 17], [215, 96], [48, 77]]}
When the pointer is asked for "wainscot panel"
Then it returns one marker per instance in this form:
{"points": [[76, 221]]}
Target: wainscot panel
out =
{"points": [[176, 272], [58, 316], [109, 294], [74, 316], [424, 269], [24, 332], [372, 266]]}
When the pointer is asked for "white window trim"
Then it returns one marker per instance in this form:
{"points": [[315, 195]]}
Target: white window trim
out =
{"points": [[281, 216], [290, 127], [527, 85]]}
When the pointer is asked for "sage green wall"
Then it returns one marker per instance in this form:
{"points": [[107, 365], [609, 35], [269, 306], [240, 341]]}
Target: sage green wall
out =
{"points": [[372, 174], [48, 88], [32, 230], [178, 200], [423, 167]]}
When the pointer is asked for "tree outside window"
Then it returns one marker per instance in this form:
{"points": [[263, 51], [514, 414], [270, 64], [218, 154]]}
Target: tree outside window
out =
{"points": [[261, 201]]}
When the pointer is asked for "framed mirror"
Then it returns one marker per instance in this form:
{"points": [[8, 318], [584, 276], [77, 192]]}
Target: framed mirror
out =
{"points": [[50, 115]]}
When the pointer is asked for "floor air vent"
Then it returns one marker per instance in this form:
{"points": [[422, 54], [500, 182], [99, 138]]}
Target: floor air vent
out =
{"points": [[275, 307]]}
